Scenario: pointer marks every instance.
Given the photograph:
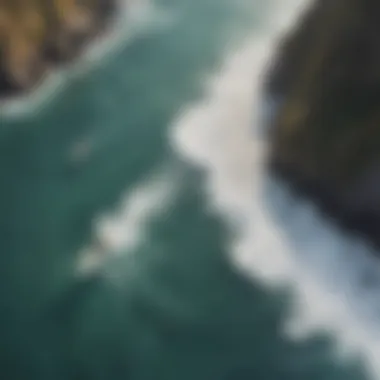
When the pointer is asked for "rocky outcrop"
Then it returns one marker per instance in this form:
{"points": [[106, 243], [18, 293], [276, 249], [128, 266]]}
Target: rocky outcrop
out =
{"points": [[38, 36], [325, 131]]}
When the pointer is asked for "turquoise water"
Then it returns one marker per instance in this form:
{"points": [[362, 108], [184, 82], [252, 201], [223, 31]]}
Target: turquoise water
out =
{"points": [[173, 307]]}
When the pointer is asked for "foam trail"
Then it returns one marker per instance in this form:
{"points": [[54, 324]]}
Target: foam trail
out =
{"points": [[283, 239], [123, 230]]}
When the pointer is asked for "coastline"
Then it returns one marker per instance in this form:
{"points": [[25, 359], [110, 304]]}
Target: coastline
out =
{"points": [[320, 122], [333, 204], [131, 17]]}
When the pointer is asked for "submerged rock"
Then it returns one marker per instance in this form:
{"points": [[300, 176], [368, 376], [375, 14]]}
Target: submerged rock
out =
{"points": [[325, 129], [38, 36]]}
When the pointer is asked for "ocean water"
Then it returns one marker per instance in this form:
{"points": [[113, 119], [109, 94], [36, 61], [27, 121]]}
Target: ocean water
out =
{"points": [[139, 234]]}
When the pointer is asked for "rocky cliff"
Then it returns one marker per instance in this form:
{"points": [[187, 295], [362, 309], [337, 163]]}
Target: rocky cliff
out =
{"points": [[325, 135], [37, 36]]}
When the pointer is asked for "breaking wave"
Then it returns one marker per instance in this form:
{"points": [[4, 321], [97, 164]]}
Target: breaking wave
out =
{"points": [[282, 239]]}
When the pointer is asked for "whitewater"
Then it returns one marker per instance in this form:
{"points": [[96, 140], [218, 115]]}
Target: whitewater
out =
{"points": [[282, 239]]}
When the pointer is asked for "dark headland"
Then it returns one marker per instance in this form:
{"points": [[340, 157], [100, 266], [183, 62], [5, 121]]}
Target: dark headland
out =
{"points": [[39, 36], [325, 134]]}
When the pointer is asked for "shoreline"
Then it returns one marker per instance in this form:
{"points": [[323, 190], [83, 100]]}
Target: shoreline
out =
{"points": [[320, 115], [37, 40], [333, 204], [131, 15]]}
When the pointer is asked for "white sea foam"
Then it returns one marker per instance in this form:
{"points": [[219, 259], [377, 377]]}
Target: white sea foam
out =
{"points": [[284, 239], [124, 229]]}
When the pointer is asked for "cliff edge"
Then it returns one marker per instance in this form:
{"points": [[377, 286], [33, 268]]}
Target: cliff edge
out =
{"points": [[38, 36], [325, 130]]}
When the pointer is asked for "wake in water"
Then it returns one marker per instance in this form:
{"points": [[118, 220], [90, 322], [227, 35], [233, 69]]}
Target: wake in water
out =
{"points": [[283, 239], [123, 230]]}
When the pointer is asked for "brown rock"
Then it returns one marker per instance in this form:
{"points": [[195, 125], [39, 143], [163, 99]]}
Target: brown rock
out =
{"points": [[37, 36]]}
